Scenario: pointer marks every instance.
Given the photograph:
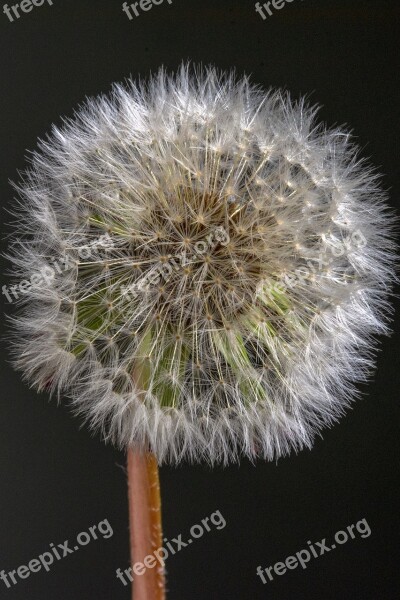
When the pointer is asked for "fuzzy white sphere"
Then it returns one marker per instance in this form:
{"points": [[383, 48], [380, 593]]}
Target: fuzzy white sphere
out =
{"points": [[207, 268]]}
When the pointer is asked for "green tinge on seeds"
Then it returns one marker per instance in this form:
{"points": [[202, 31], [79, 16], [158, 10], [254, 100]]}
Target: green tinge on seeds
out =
{"points": [[172, 362], [92, 318], [275, 299], [112, 227], [142, 371], [91, 315], [256, 323], [77, 349], [234, 351]]}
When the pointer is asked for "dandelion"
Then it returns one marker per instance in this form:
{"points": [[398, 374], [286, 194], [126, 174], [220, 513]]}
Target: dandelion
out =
{"points": [[249, 269]]}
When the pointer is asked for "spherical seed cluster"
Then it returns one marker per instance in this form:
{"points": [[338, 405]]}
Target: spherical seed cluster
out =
{"points": [[210, 268]]}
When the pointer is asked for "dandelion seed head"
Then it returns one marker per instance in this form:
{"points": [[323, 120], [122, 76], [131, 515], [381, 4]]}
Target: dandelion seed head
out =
{"points": [[182, 335]]}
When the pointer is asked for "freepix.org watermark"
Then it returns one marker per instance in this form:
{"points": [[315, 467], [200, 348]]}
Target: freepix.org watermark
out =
{"points": [[268, 8], [312, 268], [48, 273], [313, 550], [136, 8], [16, 10], [171, 547], [47, 559], [175, 263]]}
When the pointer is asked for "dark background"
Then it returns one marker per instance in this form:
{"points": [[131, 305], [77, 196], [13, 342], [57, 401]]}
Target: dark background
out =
{"points": [[56, 480]]}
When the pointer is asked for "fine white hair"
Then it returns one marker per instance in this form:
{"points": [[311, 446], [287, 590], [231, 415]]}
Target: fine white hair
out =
{"points": [[207, 267]]}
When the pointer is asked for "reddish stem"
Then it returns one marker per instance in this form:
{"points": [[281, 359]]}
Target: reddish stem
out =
{"points": [[145, 525]]}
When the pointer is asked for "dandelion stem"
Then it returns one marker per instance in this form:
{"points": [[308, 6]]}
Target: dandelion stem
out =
{"points": [[145, 524]]}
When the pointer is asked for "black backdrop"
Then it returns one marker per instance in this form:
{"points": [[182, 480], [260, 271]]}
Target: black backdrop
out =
{"points": [[56, 480]]}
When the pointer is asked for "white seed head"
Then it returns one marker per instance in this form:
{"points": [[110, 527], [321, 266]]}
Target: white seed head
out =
{"points": [[223, 265]]}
